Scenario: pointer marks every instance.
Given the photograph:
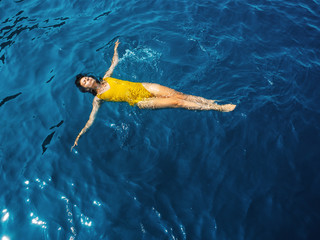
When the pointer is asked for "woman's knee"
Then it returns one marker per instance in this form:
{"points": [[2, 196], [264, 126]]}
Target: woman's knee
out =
{"points": [[180, 103], [159, 103], [176, 102]]}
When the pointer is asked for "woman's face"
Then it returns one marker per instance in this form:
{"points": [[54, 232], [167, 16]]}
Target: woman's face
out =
{"points": [[87, 82]]}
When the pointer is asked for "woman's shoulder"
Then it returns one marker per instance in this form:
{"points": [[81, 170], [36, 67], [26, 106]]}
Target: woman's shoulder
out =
{"points": [[109, 79]]}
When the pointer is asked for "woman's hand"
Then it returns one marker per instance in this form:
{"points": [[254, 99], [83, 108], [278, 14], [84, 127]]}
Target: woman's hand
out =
{"points": [[75, 144], [116, 44], [76, 141]]}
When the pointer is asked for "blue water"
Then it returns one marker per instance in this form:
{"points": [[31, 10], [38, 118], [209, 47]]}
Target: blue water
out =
{"points": [[161, 174]]}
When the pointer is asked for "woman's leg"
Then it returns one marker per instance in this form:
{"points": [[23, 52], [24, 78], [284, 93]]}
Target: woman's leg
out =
{"points": [[161, 91], [164, 92], [168, 102], [156, 103]]}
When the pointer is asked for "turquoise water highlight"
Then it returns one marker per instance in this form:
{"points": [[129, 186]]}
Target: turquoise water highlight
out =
{"points": [[165, 174]]}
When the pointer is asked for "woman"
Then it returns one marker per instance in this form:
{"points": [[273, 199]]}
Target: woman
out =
{"points": [[144, 95]]}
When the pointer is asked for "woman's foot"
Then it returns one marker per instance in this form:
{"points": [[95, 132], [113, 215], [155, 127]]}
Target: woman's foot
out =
{"points": [[227, 107]]}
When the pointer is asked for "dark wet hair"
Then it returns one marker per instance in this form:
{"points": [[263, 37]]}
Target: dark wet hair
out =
{"points": [[83, 89]]}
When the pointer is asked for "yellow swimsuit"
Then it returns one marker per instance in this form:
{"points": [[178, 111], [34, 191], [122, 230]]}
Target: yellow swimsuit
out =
{"points": [[124, 91]]}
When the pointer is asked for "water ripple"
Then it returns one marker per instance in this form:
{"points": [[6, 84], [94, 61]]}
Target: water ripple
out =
{"points": [[161, 174]]}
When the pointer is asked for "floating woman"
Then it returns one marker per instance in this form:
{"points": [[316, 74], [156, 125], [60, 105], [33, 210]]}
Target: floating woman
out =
{"points": [[144, 95]]}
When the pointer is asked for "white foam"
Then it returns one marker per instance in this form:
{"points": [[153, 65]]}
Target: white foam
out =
{"points": [[140, 55], [5, 216]]}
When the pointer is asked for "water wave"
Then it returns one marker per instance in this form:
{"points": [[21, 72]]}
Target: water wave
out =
{"points": [[160, 174]]}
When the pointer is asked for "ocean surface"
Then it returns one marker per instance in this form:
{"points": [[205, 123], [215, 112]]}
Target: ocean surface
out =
{"points": [[161, 174]]}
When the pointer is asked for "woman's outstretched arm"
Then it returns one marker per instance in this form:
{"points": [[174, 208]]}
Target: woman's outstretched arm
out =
{"points": [[115, 60], [95, 107]]}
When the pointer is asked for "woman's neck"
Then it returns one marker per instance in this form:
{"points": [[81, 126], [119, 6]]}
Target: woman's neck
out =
{"points": [[102, 87]]}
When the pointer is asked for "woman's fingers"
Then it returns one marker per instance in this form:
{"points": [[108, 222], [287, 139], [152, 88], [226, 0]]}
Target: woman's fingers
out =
{"points": [[75, 144], [116, 43]]}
